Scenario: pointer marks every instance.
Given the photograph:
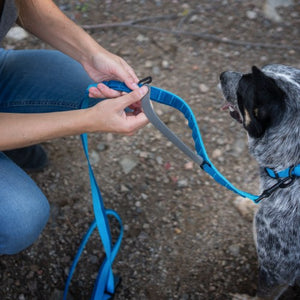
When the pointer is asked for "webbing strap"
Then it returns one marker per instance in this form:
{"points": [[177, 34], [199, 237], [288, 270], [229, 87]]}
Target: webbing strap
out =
{"points": [[284, 173], [165, 97], [104, 287]]}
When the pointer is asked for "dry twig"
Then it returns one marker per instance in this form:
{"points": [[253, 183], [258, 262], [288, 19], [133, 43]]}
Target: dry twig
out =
{"points": [[200, 35]]}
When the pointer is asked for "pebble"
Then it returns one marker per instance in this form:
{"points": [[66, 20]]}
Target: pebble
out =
{"points": [[102, 147], [142, 38], [203, 88], [234, 250], [251, 14], [189, 165], [94, 158], [182, 183], [124, 188], [165, 64], [216, 153], [270, 11], [148, 64], [128, 163], [17, 33]]}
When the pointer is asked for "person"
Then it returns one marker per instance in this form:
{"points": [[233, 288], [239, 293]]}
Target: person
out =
{"points": [[40, 96]]}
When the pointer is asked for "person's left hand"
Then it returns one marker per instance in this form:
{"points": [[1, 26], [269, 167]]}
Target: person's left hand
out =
{"points": [[107, 66]]}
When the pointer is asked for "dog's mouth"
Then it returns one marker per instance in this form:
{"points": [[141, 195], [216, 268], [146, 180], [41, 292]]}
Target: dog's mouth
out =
{"points": [[233, 111]]}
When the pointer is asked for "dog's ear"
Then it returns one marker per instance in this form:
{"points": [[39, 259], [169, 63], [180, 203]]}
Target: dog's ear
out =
{"points": [[267, 107]]}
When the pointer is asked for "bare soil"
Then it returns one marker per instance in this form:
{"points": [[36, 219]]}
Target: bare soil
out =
{"points": [[184, 238]]}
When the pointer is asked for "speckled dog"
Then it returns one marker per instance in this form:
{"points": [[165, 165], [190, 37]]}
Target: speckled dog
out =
{"points": [[267, 103]]}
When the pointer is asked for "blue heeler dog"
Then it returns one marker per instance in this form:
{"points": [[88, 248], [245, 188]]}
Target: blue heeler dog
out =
{"points": [[267, 103]]}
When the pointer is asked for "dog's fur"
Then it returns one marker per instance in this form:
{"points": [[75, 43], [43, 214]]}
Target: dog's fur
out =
{"points": [[267, 103]]}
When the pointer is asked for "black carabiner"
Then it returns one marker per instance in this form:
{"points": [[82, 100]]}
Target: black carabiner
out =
{"points": [[145, 80]]}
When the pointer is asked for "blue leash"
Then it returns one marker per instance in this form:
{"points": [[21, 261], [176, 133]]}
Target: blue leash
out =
{"points": [[165, 97], [106, 282]]}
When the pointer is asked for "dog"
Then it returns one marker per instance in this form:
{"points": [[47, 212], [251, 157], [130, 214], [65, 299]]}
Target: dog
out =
{"points": [[266, 102]]}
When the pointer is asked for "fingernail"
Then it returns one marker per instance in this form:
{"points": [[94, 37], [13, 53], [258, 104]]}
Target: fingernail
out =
{"points": [[144, 90], [134, 85], [100, 86]]}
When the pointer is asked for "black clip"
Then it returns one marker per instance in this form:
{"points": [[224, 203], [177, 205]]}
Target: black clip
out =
{"points": [[281, 184], [145, 80]]}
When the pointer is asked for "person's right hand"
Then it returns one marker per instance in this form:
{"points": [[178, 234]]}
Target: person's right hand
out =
{"points": [[109, 115]]}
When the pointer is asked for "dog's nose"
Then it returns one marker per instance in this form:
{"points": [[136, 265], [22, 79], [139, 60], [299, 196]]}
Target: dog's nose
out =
{"points": [[222, 75]]}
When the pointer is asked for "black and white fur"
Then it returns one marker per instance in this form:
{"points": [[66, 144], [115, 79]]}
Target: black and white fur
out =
{"points": [[267, 103]]}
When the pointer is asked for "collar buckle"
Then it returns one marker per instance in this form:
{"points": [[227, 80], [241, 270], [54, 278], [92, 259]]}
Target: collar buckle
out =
{"points": [[280, 184]]}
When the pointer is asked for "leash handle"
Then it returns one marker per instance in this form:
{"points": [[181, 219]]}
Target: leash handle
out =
{"points": [[155, 120], [165, 97]]}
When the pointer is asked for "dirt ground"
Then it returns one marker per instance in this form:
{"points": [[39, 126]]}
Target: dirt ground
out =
{"points": [[184, 237]]}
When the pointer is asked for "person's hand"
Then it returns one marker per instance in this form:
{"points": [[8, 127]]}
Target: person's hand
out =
{"points": [[109, 115], [107, 66]]}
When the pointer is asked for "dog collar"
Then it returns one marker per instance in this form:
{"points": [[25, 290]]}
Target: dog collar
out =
{"points": [[288, 172]]}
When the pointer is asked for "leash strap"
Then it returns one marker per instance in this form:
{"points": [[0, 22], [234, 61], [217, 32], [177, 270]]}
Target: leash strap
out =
{"points": [[200, 157], [106, 281]]}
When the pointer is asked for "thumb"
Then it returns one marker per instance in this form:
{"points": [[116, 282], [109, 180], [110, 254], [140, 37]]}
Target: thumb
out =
{"points": [[132, 97]]}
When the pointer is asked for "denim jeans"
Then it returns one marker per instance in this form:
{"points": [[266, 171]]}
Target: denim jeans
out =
{"points": [[32, 81]]}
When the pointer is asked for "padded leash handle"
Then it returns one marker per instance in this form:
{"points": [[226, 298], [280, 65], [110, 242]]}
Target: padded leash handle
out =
{"points": [[167, 98], [155, 120]]}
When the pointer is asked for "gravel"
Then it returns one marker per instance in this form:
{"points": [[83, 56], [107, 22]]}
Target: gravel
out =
{"points": [[185, 236]]}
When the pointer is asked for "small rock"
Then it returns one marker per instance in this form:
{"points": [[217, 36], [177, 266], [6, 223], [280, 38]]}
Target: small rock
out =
{"points": [[216, 153], [124, 188], [94, 158], [165, 64], [102, 147], [251, 14], [234, 250], [159, 160], [148, 64], [142, 38], [203, 88], [128, 163], [177, 230], [189, 165], [182, 183], [17, 34], [270, 11]]}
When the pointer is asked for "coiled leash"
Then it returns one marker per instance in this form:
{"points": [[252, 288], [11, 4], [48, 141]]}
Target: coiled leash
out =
{"points": [[106, 281]]}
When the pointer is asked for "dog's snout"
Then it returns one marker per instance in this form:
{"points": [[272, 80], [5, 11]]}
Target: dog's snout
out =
{"points": [[223, 75]]}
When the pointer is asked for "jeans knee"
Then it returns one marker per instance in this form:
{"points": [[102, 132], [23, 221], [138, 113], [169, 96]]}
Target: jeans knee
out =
{"points": [[21, 222]]}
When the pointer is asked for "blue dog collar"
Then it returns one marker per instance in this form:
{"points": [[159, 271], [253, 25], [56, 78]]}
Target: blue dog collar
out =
{"points": [[288, 172]]}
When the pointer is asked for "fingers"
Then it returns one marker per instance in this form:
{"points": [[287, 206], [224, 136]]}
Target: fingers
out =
{"points": [[103, 91], [133, 97], [135, 123]]}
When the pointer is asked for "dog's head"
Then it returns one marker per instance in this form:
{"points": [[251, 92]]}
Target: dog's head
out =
{"points": [[253, 99], [267, 103]]}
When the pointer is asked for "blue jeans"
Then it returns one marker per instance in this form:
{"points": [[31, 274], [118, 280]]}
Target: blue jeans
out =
{"points": [[32, 81]]}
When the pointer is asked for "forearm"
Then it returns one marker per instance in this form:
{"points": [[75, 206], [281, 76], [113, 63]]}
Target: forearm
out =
{"points": [[45, 20], [20, 130]]}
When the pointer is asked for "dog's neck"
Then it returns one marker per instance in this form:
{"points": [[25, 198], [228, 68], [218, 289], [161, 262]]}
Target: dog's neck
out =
{"points": [[279, 148]]}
